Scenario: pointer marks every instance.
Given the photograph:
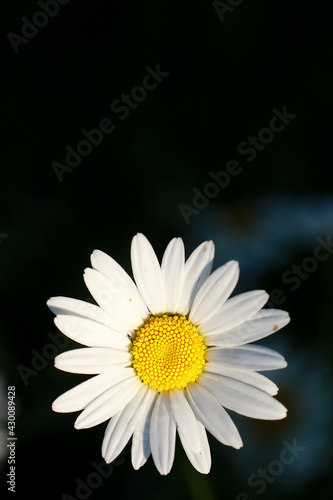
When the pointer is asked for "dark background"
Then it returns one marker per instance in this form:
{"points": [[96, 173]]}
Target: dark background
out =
{"points": [[225, 78]]}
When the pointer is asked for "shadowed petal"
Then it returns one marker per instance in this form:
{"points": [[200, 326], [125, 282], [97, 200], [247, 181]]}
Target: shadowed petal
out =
{"points": [[123, 424], [173, 273], [243, 398], [211, 414], [200, 460], [214, 292], [90, 333], [91, 360], [262, 324], [249, 377], [163, 434], [81, 395], [197, 269], [234, 312], [109, 403], [147, 274], [140, 440], [248, 357]]}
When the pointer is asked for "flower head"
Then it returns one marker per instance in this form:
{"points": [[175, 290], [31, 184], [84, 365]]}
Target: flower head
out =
{"points": [[169, 353]]}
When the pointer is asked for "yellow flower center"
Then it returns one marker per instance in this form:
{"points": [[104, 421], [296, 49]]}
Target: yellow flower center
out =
{"points": [[168, 352]]}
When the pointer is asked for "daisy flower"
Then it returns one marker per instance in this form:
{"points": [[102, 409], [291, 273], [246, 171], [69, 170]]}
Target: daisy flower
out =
{"points": [[169, 353]]}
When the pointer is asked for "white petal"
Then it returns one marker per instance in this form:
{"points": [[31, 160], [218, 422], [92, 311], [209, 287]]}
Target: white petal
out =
{"points": [[119, 304], [120, 280], [249, 377], [214, 292], [90, 333], [249, 357], [140, 440], [185, 419], [122, 425], [235, 311], [109, 403], [197, 269], [201, 461], [66, 305], [173, 273], [79, 396], [262, 324], [162, 434], [91, 360], [147, 274], [243, 398], [211, 414]]}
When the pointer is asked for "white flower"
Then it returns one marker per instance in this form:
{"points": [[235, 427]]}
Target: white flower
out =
{"points": [[170, 353]]}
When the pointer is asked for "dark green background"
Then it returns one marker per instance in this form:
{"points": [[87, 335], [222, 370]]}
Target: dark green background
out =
{"points": [[225, 79]]}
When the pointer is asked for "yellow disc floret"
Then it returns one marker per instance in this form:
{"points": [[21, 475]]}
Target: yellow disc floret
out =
{"points": [[168, 352]]}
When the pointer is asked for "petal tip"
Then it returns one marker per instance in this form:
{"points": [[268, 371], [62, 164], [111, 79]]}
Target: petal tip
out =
{"points": [[283, 413], [79, 423], [284, 363], [238, 444], [51, 303], [56, 406], [233, 262]]}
